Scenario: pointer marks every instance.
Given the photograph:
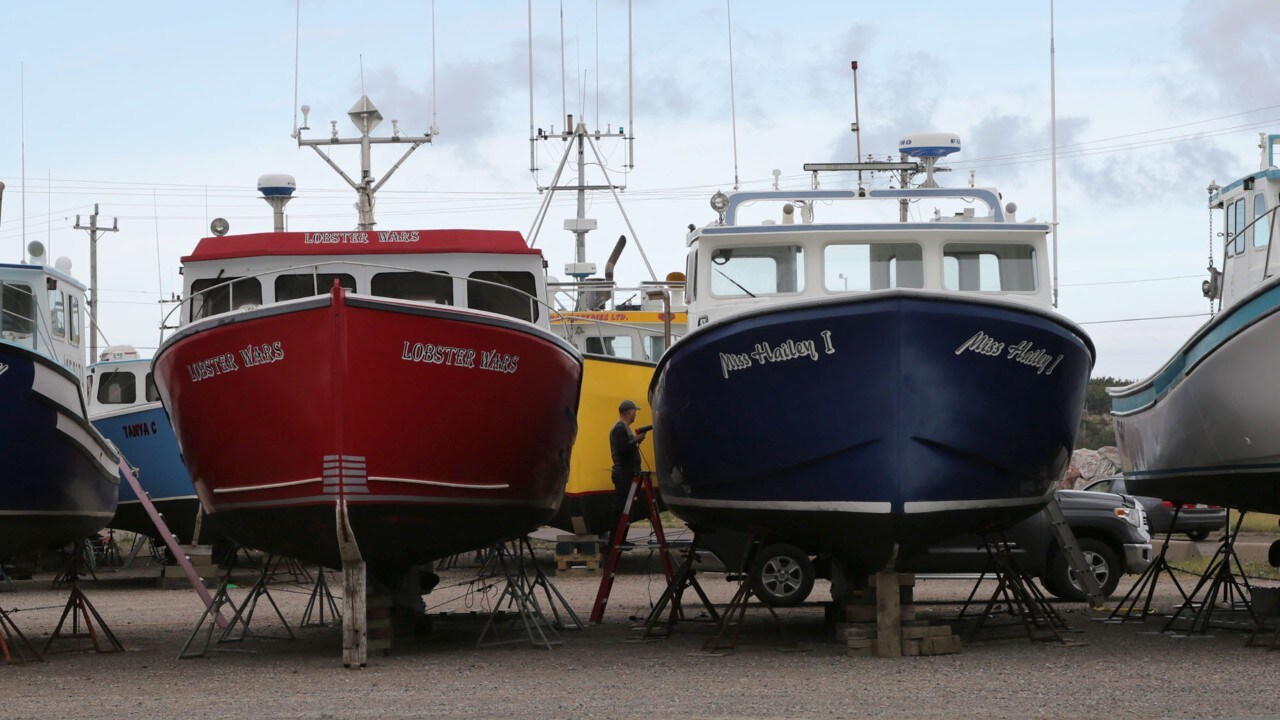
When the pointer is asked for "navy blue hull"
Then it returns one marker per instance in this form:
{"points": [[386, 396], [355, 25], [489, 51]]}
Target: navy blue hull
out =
{"points": [[58, 481], [863, 423]]}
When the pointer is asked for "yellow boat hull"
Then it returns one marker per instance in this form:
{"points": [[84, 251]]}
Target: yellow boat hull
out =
{"points": [[606, 382]]}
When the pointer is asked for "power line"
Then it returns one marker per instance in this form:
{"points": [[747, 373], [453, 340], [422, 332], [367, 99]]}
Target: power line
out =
{"points": [[1141, 319], [1128, 282]]}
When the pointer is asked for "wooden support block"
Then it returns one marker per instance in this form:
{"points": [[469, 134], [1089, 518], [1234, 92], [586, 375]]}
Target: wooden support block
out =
{"points": [[378, 624], [355, 636], [861, 648], [860, 613], [926, 631], [888, 616], [911, 648], [942, 645], [856, 631]]}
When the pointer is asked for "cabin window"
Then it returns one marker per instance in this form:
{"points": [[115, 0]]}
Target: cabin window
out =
{"points": [[418, 286], [655, 345], [872, 266], [211, 296], [118, 387], [1230, 218], [516, 299], [17, 310], [994, 267], [1261, 227], [754, 271], [152, 392], [691, 275], [57, 314], [292, 287], [611, 345], [73, 319], [1240, 223]]}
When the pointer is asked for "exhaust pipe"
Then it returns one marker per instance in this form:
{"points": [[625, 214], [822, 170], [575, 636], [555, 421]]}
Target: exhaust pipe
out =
{"points": [[613, 257]]}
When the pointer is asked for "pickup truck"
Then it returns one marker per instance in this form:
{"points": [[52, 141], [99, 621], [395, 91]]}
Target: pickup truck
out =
{"points": [[1110, 530]]}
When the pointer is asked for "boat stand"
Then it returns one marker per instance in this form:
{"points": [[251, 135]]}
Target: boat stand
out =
{"points": [[237, 629], [6, 583], [281, 567], [1266, 606], [516, 562], [1146, 583], [642, 489], [1225, 577], [1022, 599], [86, 623], [655, 627], [14, 646], [320, 601], [729, 628], [69, 574]]}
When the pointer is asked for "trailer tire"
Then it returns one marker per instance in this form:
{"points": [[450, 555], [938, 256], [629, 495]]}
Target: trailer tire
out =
{"points": [[784, 575]]}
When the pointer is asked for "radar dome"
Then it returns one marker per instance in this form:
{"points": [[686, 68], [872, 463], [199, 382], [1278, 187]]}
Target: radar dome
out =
{"points": [[275, 184], [63, 265], [926, 145]]}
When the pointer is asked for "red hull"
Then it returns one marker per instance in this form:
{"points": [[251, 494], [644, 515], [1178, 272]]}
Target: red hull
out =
{"points": [[441, 429]]}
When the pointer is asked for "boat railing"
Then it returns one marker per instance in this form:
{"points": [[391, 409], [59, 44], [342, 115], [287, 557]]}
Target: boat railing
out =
{"points": [[572, 292], [1270, 215], [986, 195], [229, 285]]}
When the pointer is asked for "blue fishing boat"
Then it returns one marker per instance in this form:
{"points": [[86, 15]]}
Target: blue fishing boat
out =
{"points": [[124, 406], [863, 387], [58, 476], [1205, 428]]}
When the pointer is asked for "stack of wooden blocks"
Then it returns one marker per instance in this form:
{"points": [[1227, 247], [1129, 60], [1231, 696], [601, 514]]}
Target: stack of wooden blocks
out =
{"points": [[577, 555], [875, 626], [201, 559]]}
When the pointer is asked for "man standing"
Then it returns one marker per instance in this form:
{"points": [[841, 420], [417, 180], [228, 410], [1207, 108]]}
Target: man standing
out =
{"points": [[624, 445]]}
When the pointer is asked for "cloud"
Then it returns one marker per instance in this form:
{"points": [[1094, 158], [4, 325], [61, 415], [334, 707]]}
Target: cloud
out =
{"points": [[1233, 45]]}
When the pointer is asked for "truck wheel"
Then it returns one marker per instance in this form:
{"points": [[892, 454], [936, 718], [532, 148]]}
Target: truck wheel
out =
{"points": [[1100, 558], [784, 576]]}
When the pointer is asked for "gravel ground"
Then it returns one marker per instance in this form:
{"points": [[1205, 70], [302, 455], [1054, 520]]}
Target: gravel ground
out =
{"points": [[1126, 670]]}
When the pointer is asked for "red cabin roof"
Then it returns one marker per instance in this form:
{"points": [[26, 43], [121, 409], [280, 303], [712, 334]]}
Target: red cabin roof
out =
{"points": [[360, 242]]}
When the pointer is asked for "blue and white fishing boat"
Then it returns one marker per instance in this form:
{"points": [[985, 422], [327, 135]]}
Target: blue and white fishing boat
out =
{"points": [[58, 477], [124, 406], [1206, 427], [866, 387]]}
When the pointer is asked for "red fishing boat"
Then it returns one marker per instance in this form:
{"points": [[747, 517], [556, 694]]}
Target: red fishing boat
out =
{"points": [[400, 388]]}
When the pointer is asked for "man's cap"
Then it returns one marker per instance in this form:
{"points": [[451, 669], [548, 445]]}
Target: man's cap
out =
{"points": [[628, 405]]}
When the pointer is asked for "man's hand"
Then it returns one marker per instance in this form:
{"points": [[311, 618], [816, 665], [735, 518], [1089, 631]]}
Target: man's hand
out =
{"points": [[640, 436]]}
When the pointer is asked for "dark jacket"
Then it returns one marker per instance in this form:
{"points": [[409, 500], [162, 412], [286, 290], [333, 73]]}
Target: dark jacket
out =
{"points": [[625, 447]]}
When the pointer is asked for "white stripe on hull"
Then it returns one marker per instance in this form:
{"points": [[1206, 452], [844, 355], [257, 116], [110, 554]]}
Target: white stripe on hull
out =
{"points": [[76, 432], [879, 508], [57, 387], [949, 505], [56, 513]]}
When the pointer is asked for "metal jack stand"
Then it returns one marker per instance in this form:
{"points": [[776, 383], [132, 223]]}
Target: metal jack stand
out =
{"points": [[686, 577], [1220, 577], [736, 612], [6, 583], [286, 566], [70, 571], [321, 600], [13, 642], [1022, 599], [1147, 582], [84, 617], [523, 580], [235, 630]]}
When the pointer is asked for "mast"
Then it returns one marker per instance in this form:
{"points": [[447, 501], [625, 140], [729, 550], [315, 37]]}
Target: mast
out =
{"points": [[1053, 153], [366, 117]]}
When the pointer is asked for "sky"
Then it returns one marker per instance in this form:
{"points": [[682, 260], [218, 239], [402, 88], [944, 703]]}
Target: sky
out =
{"points": [[165, 114]]}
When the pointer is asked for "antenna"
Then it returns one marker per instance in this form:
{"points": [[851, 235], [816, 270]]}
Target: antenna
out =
{"points": [[297, 44], [435, 128], [857, 122], [631, 107], [366, 117], [22, 113], [1053, 154], [733, 108], [564, 104], [533, 158]]}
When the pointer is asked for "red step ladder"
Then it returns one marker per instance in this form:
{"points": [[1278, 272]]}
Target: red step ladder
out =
{"points": [[641, 487]]}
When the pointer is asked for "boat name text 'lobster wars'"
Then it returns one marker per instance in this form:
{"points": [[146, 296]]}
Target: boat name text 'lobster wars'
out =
{"points": [[1023, 352], [356, 237], [433, 354], [251, 355], [765, 353]]}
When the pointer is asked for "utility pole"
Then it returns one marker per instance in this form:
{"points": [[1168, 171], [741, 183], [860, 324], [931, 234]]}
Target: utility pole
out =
{"points": [[94, 231]]}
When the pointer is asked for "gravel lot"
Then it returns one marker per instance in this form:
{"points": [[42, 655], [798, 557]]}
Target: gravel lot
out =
{"points": [[1119, 670]]}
